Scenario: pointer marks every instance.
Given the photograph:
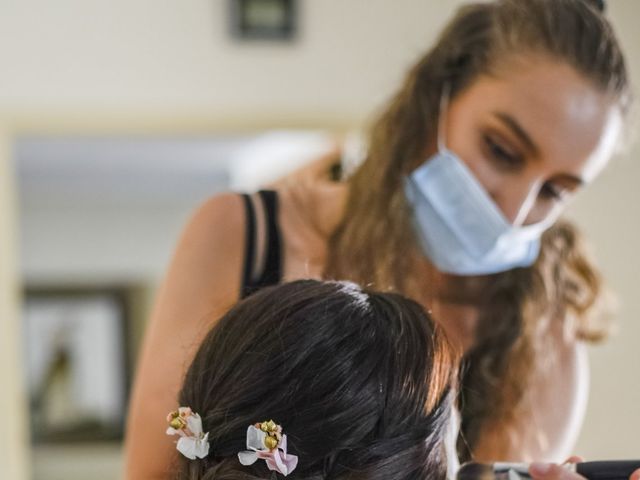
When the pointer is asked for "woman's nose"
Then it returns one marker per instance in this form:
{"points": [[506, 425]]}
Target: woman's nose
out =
{"points": [[517, 200]]}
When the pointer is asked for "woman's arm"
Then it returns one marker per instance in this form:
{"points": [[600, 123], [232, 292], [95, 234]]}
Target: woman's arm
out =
{"points": [[202, 282], [553, 410], [557, 401]]}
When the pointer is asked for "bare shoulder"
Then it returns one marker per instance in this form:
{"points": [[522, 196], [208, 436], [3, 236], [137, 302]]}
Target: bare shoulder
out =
{"points": [[202, 282], [220, 219], [208, 257]]}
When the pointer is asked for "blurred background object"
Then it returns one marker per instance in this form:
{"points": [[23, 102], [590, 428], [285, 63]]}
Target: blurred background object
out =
{"points": [[117, 118], [76, 385], [264, 19], [14, 452]]}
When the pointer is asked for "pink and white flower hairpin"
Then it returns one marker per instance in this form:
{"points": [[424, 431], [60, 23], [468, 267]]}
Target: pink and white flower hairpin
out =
{"points": [[267, 442], [192, 442]]}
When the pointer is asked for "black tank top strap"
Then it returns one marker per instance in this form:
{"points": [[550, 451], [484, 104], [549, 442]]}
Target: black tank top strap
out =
{"points": [[249, 245], [271, 274]]}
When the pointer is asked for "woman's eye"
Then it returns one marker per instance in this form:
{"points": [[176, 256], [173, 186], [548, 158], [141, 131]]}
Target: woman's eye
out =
{"points": [[553, 192], [502, 156]]}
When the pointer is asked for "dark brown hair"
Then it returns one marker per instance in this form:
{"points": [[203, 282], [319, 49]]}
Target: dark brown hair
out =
{"points": [[375, 244], [360, 382]]}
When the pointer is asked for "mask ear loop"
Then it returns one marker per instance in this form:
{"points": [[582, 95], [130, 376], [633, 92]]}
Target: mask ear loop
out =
{"points": [[442, 117]]}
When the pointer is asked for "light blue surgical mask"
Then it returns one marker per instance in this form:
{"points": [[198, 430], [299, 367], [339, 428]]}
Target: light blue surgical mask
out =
{"points": [[458, 225]]}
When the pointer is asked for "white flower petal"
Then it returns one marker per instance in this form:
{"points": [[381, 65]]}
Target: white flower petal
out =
{"points": [[171, 431], [192, 448], [255, 438], [187, 447], [247, 457], [194, 423], [202, 449], [203, 446]]}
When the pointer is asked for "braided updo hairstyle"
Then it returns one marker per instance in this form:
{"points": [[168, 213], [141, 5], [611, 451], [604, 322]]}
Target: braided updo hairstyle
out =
{"points": [[360, 382]]}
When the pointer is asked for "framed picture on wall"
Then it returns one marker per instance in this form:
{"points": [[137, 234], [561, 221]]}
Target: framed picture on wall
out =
{"points": [[76, 363], [263, 19]]}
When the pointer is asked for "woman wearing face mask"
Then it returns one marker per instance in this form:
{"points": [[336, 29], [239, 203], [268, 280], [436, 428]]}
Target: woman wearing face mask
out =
{"points": [[518, 106]]}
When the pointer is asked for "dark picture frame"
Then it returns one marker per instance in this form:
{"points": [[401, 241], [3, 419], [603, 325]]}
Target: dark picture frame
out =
{"points": [[272, 20], [77, 363]]}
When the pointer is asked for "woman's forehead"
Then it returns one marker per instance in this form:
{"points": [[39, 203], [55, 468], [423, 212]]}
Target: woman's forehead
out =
{"points": [[572, 123]]}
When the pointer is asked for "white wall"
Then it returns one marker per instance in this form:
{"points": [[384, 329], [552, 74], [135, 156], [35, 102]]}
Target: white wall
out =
{"points": [[176, 56], [77, 61]]}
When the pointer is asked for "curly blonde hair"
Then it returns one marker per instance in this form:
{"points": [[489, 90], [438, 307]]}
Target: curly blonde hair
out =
{"points": [[518, 305]]}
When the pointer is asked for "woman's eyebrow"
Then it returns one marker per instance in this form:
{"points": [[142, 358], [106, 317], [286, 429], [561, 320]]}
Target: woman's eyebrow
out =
{"points": [[513, 125], [576, 181], [518, 131]]}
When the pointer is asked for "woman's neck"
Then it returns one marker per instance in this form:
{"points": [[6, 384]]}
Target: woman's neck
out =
{"points": [[312, 208], [454, 301]]}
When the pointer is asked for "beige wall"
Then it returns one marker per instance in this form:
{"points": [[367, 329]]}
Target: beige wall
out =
{"points": [[175, 57], [14, 438], [144, 65]]}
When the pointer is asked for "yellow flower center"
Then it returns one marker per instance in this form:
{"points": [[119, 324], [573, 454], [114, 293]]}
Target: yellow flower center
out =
{"points": [[270, 442]]}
